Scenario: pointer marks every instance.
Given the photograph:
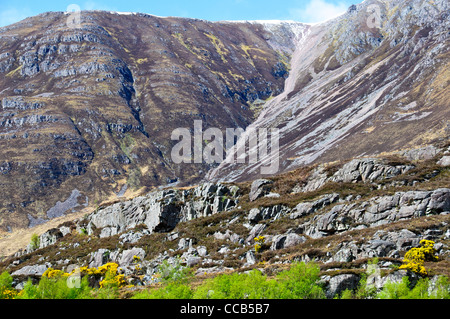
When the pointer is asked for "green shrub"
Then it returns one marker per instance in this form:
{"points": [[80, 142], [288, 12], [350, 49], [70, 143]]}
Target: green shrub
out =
{"points": [[6, 289], [253, 285], [421, 290], [35, 242], [174, 272], [55, 288], [169, 291], [301, 281]]}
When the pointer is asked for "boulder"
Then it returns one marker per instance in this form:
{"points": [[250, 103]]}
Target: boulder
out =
{"points": [[337, 284], [286, 241], [260, 187], [444, 161], [34, 270], [202, 251], [192, 261], [254, 215], [99, 258], [250, 258], [127, 256], [347, 252], [255, 232], [306, 208]]}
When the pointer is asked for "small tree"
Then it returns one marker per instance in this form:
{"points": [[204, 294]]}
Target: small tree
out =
{"points": [[35, 241], [6, 289]]}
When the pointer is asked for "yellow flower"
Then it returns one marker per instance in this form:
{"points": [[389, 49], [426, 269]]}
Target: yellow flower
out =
{"points": [[415, 258]]}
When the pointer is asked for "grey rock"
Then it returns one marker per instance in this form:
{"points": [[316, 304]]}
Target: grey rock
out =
{"points": [[360, 169], [36, 270], [422, 153], [255, 232], [192, 261], [162, 210], [274, 212], [126, 258], [228, 235], [395, 277], [254, 215], [185, 243], [347, 252], [337, 284], [99, 258], [286, 241], [202, 251], [377, 211], [224, 250], [260, 187], [64, 230], [440, 201], [250, 257], [307, 208], [444, 161], [49, 237], [272, 195]]}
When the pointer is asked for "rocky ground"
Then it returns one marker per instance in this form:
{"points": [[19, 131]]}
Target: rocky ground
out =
{"points": [[340, 215]]}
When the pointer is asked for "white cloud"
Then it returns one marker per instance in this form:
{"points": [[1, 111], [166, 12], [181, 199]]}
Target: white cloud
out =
{"points": [[13, 15], [318, 11]]}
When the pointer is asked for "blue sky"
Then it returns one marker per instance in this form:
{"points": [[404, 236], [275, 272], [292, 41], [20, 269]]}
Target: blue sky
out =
{"points": [[214, 10]]}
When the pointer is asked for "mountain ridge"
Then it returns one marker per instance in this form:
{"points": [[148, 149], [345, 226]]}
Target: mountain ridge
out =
{"points": [[336, 66], [107, 96]]}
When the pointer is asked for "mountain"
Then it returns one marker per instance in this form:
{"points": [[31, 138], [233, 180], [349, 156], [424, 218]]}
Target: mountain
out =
{"points": [[354, 221], [373, 80], [87, 111]]}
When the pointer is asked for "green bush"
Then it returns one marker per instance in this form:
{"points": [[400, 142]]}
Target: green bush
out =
{"points": [[6, 289], [301, 281], [174, 272], [55, 288], [253, 285], [169, 291], [35, 241], [421, 290]]}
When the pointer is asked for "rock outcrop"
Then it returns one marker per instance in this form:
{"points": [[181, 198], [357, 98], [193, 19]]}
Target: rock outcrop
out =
{"points": [[161, 211], [329, 229]]}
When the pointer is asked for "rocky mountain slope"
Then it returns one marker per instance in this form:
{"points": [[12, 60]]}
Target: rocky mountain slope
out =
{"points": [[360, 102], [370, 81], [341, 216], [87, 112]]}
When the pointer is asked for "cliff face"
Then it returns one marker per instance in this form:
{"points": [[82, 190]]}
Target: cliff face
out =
{"points": [[87, 112], [373, 80]]}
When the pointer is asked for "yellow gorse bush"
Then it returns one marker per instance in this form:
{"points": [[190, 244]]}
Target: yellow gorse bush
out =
{"points": [[9, 294], [109, 271], [259, 241], [55, 273], [113, 281], [415, 258]]}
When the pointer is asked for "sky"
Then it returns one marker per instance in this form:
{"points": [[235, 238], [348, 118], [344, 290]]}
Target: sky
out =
{"points": [[308, 11]]}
